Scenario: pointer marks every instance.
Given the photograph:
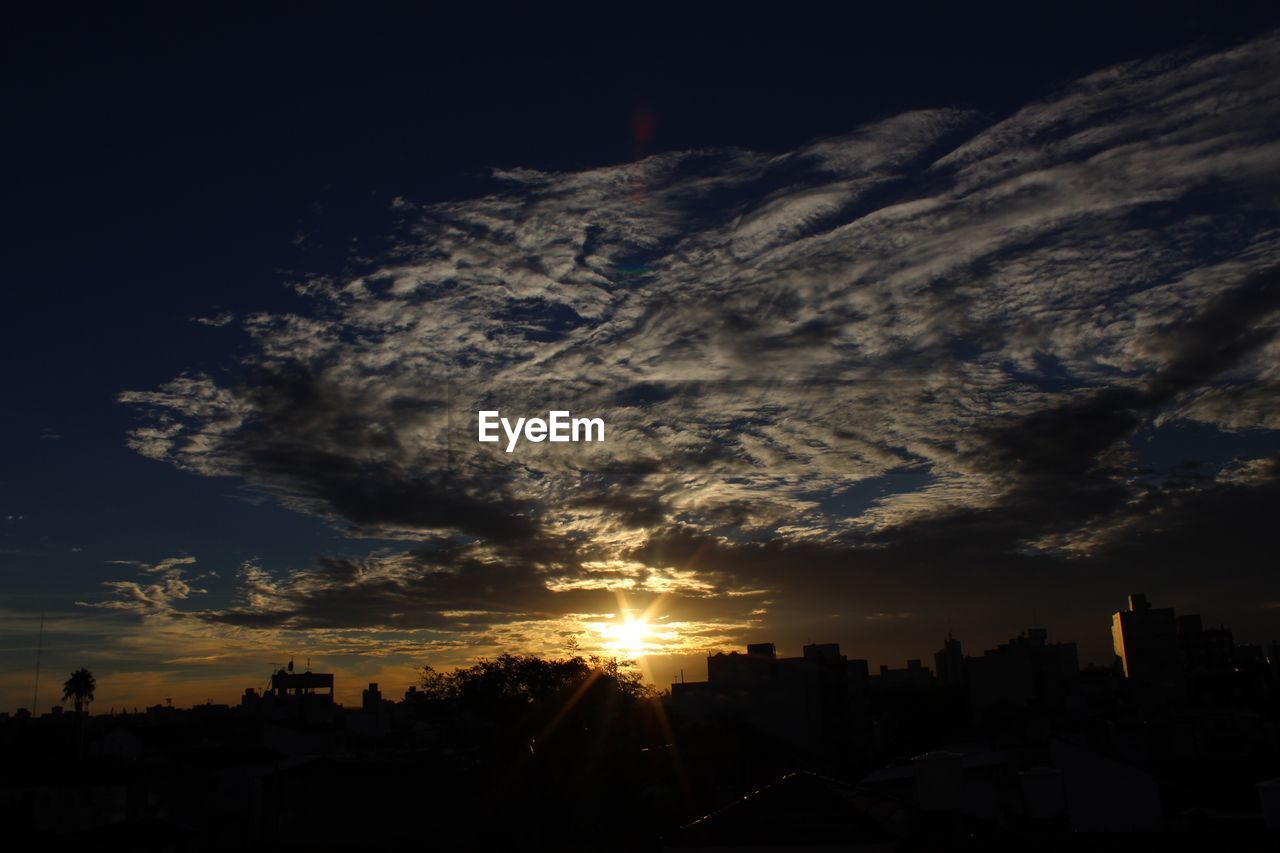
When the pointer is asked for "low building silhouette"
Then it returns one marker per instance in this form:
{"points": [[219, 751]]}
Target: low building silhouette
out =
{"points": [[1025, 673], [805, 702], [915, 676], [293, 696]]}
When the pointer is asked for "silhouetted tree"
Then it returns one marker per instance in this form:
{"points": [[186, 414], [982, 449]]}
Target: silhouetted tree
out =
{"points": [[79, 687], [534, 728], [528, 679], [525, 702]]}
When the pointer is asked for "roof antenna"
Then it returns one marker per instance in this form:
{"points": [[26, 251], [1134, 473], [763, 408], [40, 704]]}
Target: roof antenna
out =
{"points": [[35, 696]]}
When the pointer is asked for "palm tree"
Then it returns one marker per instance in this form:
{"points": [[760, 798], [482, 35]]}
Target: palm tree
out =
{"points": [[80, 688]]}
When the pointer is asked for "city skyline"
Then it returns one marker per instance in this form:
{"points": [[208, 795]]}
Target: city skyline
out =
{"points": [[693, 668]]}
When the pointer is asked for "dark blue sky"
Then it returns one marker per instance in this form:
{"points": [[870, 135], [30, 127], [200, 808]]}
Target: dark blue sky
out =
{"points": [[162, 167]]}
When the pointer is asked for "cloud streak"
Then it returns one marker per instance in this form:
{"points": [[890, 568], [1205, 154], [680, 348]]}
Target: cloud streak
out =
{"points": [[999, 307]]}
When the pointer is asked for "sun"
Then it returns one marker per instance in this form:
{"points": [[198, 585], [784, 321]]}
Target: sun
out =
{"points": [[629, 637]]}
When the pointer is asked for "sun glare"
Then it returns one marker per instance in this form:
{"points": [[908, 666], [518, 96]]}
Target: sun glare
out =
{"points": [[628, 638]]}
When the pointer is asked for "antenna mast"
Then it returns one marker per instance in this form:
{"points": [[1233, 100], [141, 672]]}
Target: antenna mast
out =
{"points": [[35, 695]]}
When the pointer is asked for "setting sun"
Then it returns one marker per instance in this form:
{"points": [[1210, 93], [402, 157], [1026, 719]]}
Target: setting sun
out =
{"points": [[628, 637]]}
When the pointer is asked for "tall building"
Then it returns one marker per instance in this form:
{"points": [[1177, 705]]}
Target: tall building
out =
{"points": [[948, 663], [1146, 640], [371, 699], [1205, 651]]}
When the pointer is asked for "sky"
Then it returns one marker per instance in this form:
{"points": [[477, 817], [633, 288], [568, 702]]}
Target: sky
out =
{"points": [[897, 326]]}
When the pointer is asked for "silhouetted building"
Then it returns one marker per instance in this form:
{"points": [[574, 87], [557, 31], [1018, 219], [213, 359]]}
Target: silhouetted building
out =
{"points": [[773, 695], [1027, 672], [371, 699], [1105, 793], [804, 702], [296, 685], [943, 785], [305, 696], [820, 652], [1205, 650], [914, 677], [948, 663], [1146, 640], [1269, 794], [859, 675]]}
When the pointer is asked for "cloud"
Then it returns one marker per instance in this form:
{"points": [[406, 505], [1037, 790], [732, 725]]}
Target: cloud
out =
{"points": [[999, 306], [221, 318], [163, 585], [444, 599]]}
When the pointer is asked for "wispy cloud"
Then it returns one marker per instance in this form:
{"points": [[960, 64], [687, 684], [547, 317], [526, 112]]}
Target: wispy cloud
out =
{"points": [[216, 320], [164, 585], [999, 305]]}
